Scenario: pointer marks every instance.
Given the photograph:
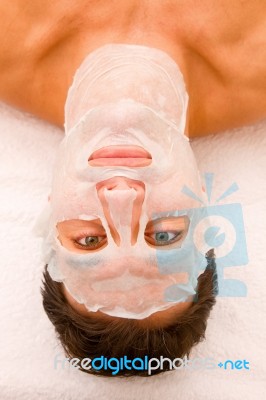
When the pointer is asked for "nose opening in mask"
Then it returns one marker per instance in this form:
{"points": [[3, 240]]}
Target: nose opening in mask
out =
{"points": [[122, 199], [119, 212]]}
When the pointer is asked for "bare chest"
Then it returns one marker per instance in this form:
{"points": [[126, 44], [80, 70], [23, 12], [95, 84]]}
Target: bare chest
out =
{"points": [[220, 49]]}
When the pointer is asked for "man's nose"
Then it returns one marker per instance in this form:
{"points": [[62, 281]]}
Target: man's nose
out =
{"points": [[122, 200]]}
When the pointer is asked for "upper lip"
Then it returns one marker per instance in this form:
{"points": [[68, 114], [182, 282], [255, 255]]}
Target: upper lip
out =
{"points": [[132, 156], [120, 152]]}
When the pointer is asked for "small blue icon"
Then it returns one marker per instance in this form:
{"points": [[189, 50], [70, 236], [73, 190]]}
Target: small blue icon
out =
{"points": [[238, 254], [229, 253]]}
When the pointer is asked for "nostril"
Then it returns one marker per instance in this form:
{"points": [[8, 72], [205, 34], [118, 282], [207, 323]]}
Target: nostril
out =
{"points": [[120, 182], [121, 185]]}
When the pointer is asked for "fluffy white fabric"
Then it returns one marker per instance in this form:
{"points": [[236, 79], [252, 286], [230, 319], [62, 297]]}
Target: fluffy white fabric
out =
{"points": [[236, 329]]}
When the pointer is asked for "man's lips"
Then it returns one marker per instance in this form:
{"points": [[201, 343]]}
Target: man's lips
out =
{"points": [[129, 156], [124, 162]]}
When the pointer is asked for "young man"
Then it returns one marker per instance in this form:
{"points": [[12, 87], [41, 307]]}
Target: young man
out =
{"points": [[41, 51]]}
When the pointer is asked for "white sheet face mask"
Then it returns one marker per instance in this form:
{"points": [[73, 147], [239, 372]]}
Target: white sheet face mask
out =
{"points": [[121, 238]]}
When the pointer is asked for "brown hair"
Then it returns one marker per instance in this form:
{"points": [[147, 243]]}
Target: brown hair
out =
{"points": [[83, 337]]}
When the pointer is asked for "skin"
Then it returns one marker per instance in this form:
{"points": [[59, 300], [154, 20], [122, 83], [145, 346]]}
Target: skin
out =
{"points": [[219, 46]]}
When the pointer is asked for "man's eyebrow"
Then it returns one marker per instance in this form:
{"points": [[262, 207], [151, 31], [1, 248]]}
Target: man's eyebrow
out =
{"points": [[181, 218], [81, 223]]}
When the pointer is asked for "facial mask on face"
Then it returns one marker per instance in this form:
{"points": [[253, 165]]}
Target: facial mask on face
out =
{"points": [[126, 95]]}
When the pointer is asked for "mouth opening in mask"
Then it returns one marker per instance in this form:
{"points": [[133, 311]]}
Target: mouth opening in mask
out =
{"points": [[120, 155]]}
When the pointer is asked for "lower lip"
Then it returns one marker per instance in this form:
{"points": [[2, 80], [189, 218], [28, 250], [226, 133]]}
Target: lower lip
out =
{"points": [[130, 156]]}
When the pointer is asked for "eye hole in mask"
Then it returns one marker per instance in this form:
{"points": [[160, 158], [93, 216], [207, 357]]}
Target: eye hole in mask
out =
{"points": [[90, 236], [81, 235], [169, 232]]}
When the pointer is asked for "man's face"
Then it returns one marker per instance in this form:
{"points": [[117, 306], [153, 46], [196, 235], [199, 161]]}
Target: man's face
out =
{"points": [[116, 197]]}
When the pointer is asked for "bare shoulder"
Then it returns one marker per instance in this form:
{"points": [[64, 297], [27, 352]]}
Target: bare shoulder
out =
{"points": [[29, 32], [228, 72], [27, 25], [223, 43], [41, 43]]}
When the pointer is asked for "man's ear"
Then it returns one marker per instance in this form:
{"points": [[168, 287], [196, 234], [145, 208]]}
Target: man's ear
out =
{"points": [[49, 198], [203, 188]]}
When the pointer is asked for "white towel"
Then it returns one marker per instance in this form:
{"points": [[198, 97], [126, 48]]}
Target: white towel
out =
{"points": [[236, 328]]}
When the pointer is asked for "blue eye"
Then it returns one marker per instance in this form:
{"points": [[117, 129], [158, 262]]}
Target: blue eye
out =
{"points": [[164, 238]]}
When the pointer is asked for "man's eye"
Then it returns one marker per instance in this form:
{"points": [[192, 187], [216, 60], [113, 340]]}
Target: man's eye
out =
{"points": [[164, 238], [90, 241]]}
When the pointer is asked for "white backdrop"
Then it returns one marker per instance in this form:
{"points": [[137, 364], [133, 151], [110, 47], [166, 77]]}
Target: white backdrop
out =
{"points": [[236, 328]]}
